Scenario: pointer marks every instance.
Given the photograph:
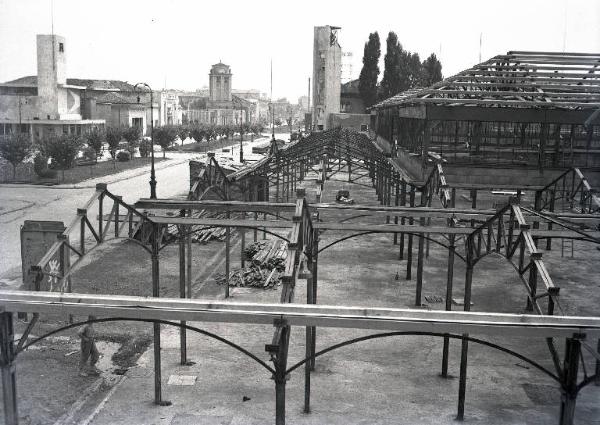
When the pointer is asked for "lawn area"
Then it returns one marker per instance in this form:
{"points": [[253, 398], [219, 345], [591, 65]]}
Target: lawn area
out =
{"points": [[25, 173]]}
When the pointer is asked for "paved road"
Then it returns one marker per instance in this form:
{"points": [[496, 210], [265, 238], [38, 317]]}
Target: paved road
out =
{"points": [[27, 202]]}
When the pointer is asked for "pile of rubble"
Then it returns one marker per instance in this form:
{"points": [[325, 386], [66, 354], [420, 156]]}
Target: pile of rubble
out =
{"points": [[267, 263]]}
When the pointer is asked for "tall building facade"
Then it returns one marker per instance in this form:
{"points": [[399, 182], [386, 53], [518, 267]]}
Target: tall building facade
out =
{"points": [[327, 60], [47, 103]]}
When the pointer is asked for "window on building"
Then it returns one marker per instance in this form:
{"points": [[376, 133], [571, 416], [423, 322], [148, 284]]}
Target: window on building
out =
{"points": [[61, 47], [65, 129], [364, 127], [137, 122]]}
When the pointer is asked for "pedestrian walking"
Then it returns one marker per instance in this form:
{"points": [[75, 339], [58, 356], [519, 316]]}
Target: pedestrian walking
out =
{"points": [[89, 351]]}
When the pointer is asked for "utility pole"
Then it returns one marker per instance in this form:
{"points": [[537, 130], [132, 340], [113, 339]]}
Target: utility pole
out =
{"points": [[241, 136], [272, 105], [309, 104]]}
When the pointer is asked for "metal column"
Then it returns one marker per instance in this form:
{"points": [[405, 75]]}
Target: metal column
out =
{"points": [[8, 368]]}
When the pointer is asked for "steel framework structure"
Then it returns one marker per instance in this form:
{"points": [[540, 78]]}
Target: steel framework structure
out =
{"points": [[512, 231], [522, 108]]}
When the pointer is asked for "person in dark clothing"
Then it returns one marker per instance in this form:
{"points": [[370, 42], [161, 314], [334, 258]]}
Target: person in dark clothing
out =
{"points": [[89, 351]]}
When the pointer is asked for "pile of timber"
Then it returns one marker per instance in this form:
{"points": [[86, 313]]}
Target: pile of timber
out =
{"points": [[267, 254], [202, 234], [253, 276], [267, 263]]}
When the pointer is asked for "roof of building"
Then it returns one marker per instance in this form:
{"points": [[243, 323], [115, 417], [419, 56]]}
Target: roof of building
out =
{"points": [[125, 98], [89, 84], [517, 79], [351, 87]]}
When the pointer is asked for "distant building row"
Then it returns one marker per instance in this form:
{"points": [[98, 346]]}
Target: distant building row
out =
{"points": [[51, 103]]}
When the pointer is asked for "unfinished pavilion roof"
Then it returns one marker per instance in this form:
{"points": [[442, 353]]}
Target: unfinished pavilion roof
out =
{"points": [[518, 79]]}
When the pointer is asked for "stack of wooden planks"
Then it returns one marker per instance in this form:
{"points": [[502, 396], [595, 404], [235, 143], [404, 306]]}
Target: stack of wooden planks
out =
{"points": [[267, 263], [202, 234]]}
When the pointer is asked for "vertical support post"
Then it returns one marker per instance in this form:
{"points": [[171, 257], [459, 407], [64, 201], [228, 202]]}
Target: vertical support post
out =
{"points": [[396, 203], [277, 187], [266, 199], [227, 256], [410, 237], [420, 259], [552, 202], [462, 384], [100, 218], [256, 228], [473, 203], [532, 281], [597, 381], [314, 272], [188, 251], [569, 384], [426, 141], [308, 344], [182, 291], [156, 326], [449, 284], [537, 206], [421, 254], [279, 354], [348, 161], [402, 220], [242, 230], [82, 213], [119, 198], [8, 369]]}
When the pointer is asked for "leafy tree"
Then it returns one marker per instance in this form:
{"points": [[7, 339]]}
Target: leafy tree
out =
{"points": [[211, 133], [258, 128], [390, 84], [63, 150], [183, 132], [165, 136], [113, 138], [15, 148], [367, 82], [432, 71], [278, 121], [132, 136], [95, 140], [198, 133], [145, 148]]}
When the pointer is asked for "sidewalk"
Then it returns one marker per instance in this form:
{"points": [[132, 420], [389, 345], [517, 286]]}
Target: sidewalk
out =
{"points": [[112, 178]]}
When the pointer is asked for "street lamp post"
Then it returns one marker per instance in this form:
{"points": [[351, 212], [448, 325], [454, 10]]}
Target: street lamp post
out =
{"points": [[152, 173], [241, 137]]}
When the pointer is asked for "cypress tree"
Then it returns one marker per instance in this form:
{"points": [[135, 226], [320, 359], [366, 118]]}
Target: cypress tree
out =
{"points": [[367, 82], [390, 84]]}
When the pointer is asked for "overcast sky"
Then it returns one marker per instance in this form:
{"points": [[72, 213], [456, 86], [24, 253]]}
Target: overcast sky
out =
{"points": [[176, 42]]}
